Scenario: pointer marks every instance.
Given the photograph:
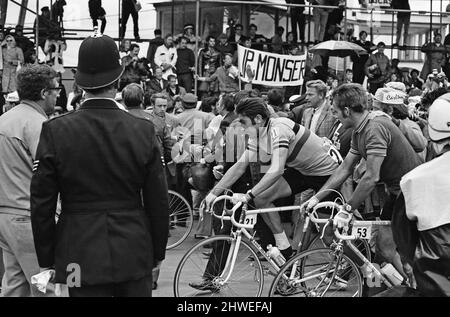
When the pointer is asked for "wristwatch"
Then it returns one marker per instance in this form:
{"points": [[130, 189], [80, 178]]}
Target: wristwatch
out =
{"points": [[250, 194]]}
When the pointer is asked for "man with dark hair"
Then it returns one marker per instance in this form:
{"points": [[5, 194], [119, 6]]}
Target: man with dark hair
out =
{"points": [[131, 73], [166, 57], [298, 161], [415, 81], [359, 62], [114, 223], [377, 69], [237, 37], [387, 152], [436, 54], [277, 41], [185, 65], [46, 28], [130, 7], [258, 40], [224, 47], [153, 46], [173, 91], [226, 75], [19, 136], [275, 100], [23, 42]]}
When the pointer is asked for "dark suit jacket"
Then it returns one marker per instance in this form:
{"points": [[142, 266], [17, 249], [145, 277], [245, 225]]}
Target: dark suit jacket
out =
{"points": [[107, 167], [154, 86]]}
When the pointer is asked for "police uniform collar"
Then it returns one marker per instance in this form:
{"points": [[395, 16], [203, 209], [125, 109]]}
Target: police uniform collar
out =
{"points": [[100, 103]]}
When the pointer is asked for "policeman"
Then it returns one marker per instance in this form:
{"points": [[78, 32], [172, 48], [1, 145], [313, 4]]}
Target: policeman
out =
{"points": [[106, 165]]}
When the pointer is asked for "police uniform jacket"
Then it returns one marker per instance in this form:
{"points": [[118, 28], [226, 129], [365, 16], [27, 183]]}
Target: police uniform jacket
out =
{"points": [[107, 167]]}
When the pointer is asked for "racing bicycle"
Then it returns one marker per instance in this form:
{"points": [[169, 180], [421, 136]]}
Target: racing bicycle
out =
{"points": [[234, 269]]}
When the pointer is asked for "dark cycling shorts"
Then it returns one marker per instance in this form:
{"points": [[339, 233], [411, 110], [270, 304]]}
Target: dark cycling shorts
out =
{"points": [[299, 182]]}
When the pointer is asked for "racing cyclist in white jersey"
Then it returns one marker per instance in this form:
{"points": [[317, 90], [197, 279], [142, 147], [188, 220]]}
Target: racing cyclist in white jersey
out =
{"points": [[293, 160]]}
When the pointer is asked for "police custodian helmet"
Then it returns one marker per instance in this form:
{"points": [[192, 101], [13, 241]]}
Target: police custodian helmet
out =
{"points": [[98, 63]]}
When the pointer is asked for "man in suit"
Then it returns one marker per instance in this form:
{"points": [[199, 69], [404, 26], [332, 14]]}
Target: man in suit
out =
{"points": [[107, 168], [318, 118], [157, 84]]}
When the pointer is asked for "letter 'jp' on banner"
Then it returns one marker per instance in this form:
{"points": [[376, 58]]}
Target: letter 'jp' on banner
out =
{"points": [[271, 69]]}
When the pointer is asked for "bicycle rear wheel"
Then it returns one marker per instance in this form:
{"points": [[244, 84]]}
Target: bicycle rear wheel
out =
{"points": [[318, 273], [202, 272], [181, 220]]}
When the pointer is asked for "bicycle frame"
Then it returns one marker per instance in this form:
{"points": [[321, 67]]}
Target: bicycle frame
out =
{"points": [[242, 230], [338, 247]]}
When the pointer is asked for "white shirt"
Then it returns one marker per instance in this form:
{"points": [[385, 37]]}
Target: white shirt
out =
{"points": [[427, 191], [315, 118], [166, 55]]}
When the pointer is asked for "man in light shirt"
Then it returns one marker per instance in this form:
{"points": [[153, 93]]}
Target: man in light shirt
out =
{"points": [[166, 57], [422, 226]]}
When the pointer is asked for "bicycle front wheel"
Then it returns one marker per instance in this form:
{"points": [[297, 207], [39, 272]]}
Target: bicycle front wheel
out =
{"points": [[318, 273], [207, 270], [181, 220]]}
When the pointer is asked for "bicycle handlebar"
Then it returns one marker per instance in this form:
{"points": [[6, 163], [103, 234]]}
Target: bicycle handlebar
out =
{"points": [[325, 204]]}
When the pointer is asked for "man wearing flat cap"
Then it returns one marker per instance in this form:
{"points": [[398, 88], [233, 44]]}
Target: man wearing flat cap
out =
{"points": [[107, 168]]}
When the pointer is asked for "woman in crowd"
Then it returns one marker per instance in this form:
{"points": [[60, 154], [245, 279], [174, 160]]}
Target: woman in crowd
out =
{"points": [[12, 60]]}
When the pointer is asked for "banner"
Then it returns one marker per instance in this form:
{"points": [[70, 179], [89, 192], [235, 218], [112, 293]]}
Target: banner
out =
{"points": [[271, 69]]}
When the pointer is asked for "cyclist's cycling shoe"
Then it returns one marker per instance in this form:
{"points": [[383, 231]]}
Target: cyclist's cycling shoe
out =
{"points": [[287, 253], [205, 286]]}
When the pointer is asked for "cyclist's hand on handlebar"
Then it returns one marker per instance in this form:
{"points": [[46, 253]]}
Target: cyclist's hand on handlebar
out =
{"points": [[342, 219], [309, 205], [209, 201], [240, 198]]}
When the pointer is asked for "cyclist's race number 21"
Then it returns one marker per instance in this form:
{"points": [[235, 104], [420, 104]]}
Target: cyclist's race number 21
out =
{"points": [[250, 220]]}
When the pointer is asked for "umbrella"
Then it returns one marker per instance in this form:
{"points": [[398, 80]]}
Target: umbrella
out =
{"points": [[338, 48]]}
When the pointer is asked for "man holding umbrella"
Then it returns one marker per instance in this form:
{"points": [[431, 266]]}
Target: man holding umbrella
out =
{"points": [[107, 168]]}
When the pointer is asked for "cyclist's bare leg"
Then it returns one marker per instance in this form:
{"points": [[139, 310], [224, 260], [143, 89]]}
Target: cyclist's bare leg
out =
{"points": [[279, 190]]}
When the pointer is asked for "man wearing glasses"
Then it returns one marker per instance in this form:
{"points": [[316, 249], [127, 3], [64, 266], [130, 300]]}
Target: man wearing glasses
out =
{"points": [[20, 129]]}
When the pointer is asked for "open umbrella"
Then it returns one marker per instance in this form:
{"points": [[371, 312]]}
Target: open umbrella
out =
{"points": [[338, 48]]}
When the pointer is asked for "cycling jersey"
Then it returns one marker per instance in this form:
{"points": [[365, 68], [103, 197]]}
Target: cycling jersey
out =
{"points": [[307, 153]]}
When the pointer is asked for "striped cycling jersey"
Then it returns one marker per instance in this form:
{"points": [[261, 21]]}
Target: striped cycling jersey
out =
{"points": [[307, 153]]}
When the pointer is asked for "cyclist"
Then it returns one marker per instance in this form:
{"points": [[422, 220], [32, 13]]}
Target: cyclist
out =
{"points": [[423, 228], [386, 150], [295, 158]]}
